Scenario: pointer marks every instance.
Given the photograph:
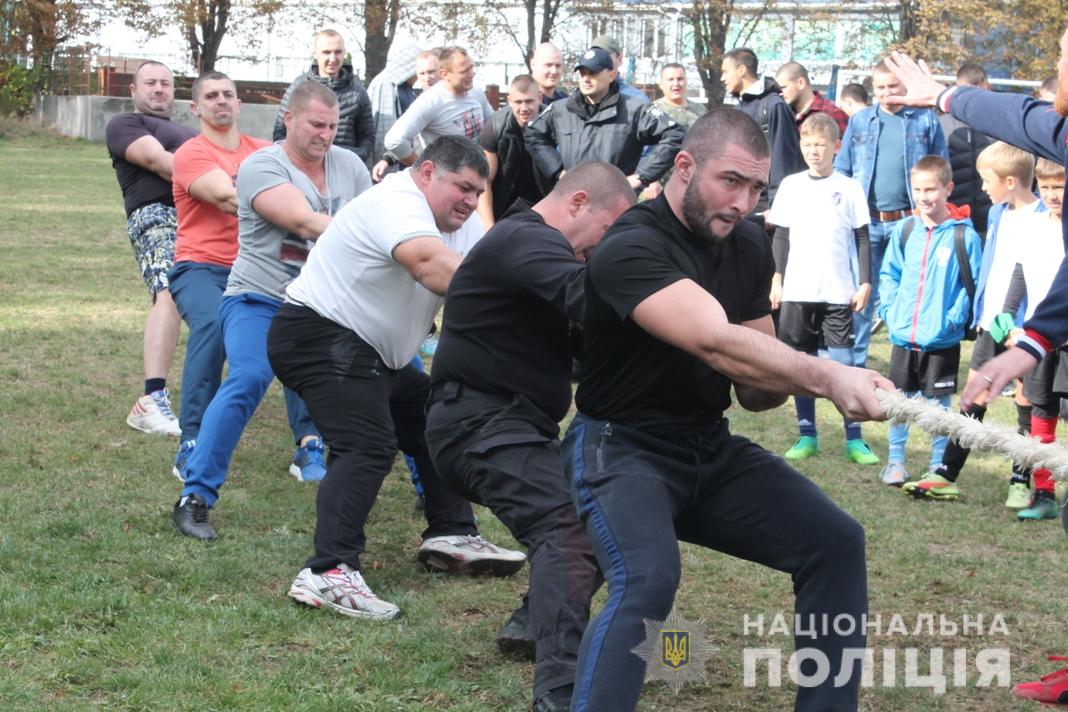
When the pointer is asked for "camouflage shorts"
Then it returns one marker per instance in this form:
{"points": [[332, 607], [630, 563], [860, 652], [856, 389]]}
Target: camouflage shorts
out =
{"points": [[152, 229]]}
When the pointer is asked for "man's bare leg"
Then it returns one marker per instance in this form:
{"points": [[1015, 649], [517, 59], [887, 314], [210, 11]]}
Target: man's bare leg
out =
{"points": [[161, 336], [152, 412]]}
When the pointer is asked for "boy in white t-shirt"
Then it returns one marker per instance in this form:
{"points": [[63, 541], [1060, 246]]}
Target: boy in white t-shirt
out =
{"points": [[1048, 382], [821, 217]]}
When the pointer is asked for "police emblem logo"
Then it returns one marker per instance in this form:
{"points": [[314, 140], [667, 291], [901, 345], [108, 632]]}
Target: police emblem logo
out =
{"points": [[675, 651], [675, 647]]}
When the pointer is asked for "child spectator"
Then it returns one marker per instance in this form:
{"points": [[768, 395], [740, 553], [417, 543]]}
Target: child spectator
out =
{"points": [[924, 302], [819, 215], [1048, 382], [1007, 173]]}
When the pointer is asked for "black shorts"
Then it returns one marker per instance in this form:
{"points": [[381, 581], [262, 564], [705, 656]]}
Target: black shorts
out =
{"points": [[801, 323], [984, 349], [934, 373], [1048, 381]]}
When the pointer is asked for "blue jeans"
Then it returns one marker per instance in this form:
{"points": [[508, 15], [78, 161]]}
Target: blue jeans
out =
{"points": [[639, 495], [878, 232], [245, 320], [197, 289]]}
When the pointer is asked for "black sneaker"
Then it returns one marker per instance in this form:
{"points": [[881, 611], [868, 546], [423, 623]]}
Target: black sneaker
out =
{"points": [[514, 637], [192, 518], [558, 700]]}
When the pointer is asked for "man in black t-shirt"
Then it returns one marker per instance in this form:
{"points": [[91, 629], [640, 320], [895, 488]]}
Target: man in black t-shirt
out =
{"points": [[676, 314], [141, 144], [512, 173], [501, 381]]}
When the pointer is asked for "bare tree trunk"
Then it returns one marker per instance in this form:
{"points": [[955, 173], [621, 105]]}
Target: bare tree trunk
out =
{"points": [[380, 19], [710, 20], [907, 18], [211, 20]]}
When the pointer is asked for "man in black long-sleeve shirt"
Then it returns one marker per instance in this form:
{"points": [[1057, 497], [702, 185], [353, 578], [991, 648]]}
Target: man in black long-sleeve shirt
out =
{"points": [[500, 383]]}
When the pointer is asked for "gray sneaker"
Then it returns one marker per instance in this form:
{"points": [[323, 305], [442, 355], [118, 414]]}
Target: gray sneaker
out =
{"points": [[894, 474], [473, 555], [343, 591]]}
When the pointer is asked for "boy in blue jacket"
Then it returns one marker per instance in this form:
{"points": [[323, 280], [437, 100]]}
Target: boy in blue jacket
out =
{"points": [[924, 302]]}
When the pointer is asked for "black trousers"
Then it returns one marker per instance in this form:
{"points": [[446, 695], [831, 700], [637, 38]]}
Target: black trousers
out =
{"points": [[639, 495], [503, 452], [364, 411]]}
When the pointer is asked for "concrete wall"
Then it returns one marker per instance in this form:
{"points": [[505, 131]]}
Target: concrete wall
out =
{"points": [[87, 116]]}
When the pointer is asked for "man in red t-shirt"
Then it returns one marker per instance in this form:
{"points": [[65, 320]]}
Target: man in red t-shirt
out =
{"points": [[205, 169]]}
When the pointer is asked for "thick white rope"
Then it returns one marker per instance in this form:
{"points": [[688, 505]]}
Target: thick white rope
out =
{"points": [[970, 433]]}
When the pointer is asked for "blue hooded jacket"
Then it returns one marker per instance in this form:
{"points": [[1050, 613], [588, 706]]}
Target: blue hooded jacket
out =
{"points": [[922, 296]]}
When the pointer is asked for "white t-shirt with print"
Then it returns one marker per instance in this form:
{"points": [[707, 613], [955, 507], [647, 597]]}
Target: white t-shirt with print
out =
{"points": [[822, 214], [352, 279]]}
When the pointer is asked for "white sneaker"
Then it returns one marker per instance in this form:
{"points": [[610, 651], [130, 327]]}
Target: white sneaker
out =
{"points": [[342, 590], [469, 555], [152, 414]]}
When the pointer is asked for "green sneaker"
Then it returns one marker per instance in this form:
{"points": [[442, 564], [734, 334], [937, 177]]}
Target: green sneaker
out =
{"points": [[858, 451], [1019, 496], [932, 486], [806, 446], [1042, 506]]}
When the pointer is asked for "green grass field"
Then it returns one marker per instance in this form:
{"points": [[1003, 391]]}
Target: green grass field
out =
{"points": [[103, 605]]}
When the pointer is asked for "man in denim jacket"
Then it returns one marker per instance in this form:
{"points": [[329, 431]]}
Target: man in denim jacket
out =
{"points": [[880, 146]]}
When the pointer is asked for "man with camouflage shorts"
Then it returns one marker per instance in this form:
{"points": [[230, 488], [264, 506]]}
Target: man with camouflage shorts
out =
{"points": [[141, 144]]}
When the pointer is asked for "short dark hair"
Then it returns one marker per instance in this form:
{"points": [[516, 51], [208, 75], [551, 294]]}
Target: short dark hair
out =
{"points": [[149, 63], [1049, 84], [306, 92], [971, 74], [604, 184], [743, 56], [671, 65], [723, 126], [937, 166], [856, 92], [792, 70], [209, 77], [452, 154], [524, 84]]}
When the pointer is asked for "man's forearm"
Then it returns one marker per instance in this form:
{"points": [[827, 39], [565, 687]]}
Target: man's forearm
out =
{"points": [[311, 225], [752, 359]]}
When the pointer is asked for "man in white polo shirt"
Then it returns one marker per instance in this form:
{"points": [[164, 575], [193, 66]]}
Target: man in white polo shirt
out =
{"points": [[344, 340]]}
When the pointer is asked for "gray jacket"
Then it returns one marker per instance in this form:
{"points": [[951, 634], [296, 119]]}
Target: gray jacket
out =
{"points": [[356, 127], [571, 131]]}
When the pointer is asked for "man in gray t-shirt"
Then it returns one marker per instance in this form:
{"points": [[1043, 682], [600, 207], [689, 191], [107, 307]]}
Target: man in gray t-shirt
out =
{"points": [[269, 256], [286, 197]]}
